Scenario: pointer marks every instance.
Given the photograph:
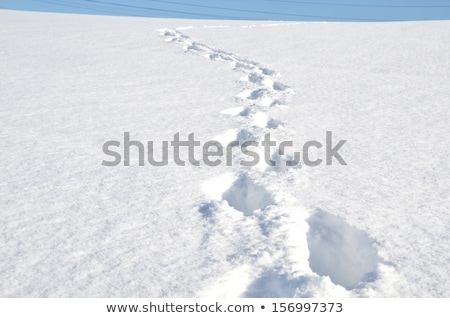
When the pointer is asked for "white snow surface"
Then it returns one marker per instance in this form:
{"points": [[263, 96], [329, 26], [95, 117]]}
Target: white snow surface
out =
{"points": [[71, 227]]}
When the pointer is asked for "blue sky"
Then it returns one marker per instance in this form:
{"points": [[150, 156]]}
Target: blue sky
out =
{"points": [[296, 10]]}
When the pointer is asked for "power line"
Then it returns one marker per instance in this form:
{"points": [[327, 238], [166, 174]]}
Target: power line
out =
{"points": [[74, 5], [256, 11], [230, 9], [356, 5], [164, 10], [182, 12]]}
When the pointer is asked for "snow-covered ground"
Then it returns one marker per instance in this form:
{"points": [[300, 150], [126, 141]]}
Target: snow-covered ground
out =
{"points": [[72, 227]]}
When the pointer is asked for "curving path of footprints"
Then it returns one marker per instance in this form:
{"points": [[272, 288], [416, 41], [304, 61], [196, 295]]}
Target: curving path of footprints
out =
{"points": [[281, 249]]}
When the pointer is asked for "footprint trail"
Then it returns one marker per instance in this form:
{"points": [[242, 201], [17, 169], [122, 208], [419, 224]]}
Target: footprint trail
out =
{"points": [[279, 245]]}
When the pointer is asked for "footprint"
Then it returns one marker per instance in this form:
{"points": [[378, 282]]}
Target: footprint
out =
{"points": [[246, 196], [194, 47], [246, 112], [274, 124], [243, 66], [207, 209], [255, 78], [275, 102], [245, 135], [258, 93], [220, 57], [269, 72], [279, 86], [344, 253]]}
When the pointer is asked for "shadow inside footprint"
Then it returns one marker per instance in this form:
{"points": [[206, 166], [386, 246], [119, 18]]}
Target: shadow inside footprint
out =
{"points": [[280, 86], [273, 285], [274, 124], [207, 209]]}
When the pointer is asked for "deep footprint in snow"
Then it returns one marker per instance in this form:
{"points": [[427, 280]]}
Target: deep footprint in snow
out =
{"points": [[338, 250], [246, 196]]}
